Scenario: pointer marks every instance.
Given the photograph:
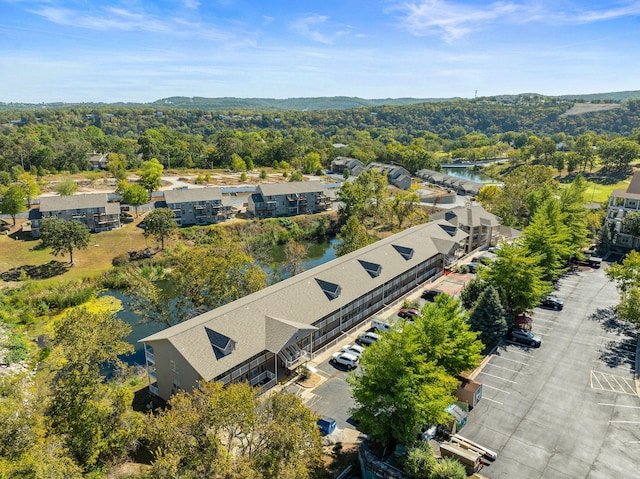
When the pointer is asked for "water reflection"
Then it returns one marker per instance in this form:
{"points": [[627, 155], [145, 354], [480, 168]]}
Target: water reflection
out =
{"points": [[469, 174], [317, 253]]}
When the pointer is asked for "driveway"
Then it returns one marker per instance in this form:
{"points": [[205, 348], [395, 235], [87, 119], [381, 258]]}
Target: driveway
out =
{"points": [[569, 409]]}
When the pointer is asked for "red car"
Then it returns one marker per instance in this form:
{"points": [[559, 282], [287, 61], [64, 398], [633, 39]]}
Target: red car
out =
{"points": [[409, 313]]}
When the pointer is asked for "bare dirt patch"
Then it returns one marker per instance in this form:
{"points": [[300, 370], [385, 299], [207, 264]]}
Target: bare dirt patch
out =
{"points": [[582, 108]]}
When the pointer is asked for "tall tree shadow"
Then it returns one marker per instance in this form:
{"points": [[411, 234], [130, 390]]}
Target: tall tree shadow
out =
{"points": [[619, 351]]}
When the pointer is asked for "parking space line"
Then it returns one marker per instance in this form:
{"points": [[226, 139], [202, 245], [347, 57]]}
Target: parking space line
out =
{"points": [[616, 405], [497, 389], [508, 359], [506, 369], [544, 320], [517, 352], [617, 384], [624, 422], [497, 377], [492, 400]]}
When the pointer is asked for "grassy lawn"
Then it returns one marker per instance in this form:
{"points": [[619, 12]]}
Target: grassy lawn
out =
{"points": [[600, 193], [87, 263]]}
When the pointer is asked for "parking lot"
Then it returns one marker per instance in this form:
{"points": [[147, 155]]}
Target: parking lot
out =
{"points": [[570, 408], [565, 410]]}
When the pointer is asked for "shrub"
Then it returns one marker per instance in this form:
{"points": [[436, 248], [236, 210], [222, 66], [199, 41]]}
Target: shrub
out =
{"points": [[120, 260], [17, 349]]}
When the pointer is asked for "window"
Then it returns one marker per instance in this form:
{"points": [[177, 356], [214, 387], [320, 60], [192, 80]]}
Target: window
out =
{"points": [[405, 252], [373, 269], [331, 290], [172, 365]]}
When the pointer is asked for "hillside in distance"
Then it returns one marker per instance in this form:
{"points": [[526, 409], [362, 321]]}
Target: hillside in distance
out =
{"points": [[302, 104]]}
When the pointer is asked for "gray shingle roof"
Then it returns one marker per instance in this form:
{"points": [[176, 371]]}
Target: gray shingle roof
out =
{"points": [[299, 301], [468, 216], [273, 189], [74, 202], [208, 193]]}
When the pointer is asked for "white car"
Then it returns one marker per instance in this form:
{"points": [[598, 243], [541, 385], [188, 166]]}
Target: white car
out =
{"points": [[345, 359], [354, 349], [368, 338]]}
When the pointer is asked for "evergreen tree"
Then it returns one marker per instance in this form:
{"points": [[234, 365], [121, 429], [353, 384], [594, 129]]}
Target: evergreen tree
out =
{"points": [[488, 317]]}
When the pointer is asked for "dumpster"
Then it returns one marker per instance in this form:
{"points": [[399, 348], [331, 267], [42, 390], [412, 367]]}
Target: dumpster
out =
{"points": [[327, 425]]}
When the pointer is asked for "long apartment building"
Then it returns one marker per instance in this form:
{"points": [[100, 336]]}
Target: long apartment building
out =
{"points": [[94, 210], [198, 206], [272, 200], [263, 336]]}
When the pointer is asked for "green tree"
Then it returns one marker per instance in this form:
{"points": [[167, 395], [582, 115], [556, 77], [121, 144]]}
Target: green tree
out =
{"points": [[572, 200], [263, 174], [548, 238], [352, 237], [218, 431], [626, 275], [296, 176], [472, 291], [67, 187], [294, 254], [237, 163], [631, 223], [12, 201], [311, 163], [150, 173], [209, 276], [518, 278], [135, 195], [64, 236], [619, 152], [488, 318], [408, 376], [160, 224], [95, 418], [405, 205], [30, 186]]}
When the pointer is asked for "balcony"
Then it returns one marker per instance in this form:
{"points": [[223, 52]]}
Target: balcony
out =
{"points": [[150, 357], [153, 389]]}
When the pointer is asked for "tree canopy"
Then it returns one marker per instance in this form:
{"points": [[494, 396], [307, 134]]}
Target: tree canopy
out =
{"points": [[408, 377], [160, 224], [64, 236]]}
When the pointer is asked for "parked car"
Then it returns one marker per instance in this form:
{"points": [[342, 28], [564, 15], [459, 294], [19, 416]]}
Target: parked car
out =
{"points": [[552, 302], [354, 349], [430, 294], [380, 324], [472, 266], [521, 336], [345, 359], [409, 313], [368, 338]]}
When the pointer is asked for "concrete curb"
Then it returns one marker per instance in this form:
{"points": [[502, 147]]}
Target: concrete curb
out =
{"points": [[637, 371]]}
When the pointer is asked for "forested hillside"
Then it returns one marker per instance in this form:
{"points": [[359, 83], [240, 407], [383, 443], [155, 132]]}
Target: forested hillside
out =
{"points": [[415, 136]]}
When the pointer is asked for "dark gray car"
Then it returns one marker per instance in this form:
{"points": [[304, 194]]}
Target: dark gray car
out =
{"points": [[521, 336]]}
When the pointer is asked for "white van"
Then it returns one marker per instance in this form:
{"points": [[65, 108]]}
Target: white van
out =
{"points": [[380, 324]]}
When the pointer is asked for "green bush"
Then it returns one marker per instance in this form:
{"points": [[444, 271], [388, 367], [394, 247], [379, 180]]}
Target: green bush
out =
{"points": [[17, 349], [120, 260], [448, 468]]}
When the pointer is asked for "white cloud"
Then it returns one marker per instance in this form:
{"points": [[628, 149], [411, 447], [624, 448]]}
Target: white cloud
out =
{"points": [[453, 20], [192, 4], [309, 27]]}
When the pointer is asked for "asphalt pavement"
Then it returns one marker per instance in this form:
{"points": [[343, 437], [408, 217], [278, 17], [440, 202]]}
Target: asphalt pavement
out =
{"points": [[569, 409]]}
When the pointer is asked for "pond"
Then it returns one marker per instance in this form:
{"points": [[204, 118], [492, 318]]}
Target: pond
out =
{"points": [[318, 253], [469, 174]]}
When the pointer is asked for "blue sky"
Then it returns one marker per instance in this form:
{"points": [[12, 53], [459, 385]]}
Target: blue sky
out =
{"points": [[143, 50]]}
